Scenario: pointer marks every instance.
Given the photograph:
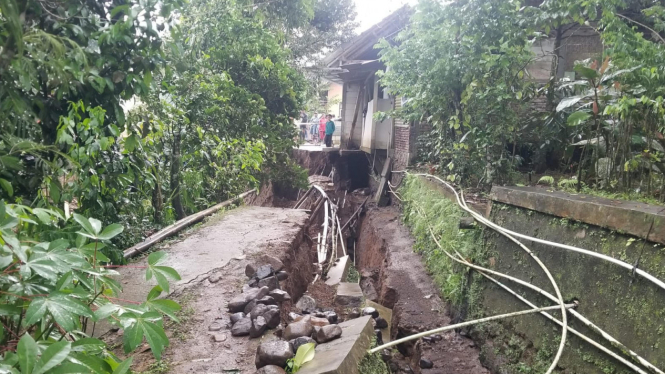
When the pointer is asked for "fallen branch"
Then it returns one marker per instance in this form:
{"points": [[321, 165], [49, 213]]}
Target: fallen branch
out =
{"points": [[179, 226]]}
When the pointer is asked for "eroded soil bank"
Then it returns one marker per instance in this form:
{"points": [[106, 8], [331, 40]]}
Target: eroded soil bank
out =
{"points": [[396, 276], [393, 275]]}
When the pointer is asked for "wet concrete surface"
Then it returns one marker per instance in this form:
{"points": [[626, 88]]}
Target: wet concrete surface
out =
{"points": [[224, 245]]}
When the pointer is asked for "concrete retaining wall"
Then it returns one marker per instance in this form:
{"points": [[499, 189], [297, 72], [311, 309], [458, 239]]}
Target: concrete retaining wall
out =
{"points": [[631, 309]]}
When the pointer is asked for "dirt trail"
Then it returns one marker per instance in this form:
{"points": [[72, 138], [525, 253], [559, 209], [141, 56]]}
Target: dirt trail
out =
{"points": [[223, 246]]}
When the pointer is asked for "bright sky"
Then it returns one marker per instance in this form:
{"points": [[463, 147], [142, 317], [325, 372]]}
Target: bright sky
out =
{"points": [[371, 12]]}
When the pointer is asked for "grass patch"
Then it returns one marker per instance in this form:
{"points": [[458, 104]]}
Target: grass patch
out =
{"points": [[157, 367], [372, 363], [425, 208], [353, 276]]}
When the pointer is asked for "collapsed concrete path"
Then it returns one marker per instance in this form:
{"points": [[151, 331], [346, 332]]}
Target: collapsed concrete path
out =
{"points": [[211, 262]]}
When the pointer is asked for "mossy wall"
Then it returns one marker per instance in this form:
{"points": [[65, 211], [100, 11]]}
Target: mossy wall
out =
{"points": [[631, 309]]}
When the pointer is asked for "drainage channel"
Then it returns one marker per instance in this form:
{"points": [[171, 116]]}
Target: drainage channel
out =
{"points": [[380, 276]]}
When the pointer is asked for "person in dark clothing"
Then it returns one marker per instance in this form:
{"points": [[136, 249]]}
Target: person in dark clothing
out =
{"points": [[330, 129]]}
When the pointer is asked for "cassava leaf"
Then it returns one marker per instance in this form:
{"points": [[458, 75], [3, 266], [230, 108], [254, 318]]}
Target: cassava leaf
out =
{"points": [[111, 231], [52, 356], [27, 352]]}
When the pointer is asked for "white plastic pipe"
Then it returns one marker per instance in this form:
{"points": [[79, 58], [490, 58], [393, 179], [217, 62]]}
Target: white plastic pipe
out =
{"points": [[601, 256], [613, 341], [564, 316], [572, 330], [468, 323]]}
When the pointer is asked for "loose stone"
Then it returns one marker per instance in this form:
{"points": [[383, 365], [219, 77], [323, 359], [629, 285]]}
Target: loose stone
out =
{"points": [[259, 326], [300, 341], [328, 333], [242, 327], [297, 330], [426, 364], [273, 353]]}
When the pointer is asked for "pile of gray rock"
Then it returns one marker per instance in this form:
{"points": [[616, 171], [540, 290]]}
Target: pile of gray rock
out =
{"points": [[312, 325], [257, 308]]}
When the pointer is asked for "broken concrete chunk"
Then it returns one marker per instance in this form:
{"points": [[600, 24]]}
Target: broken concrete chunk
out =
{"points": [[306, 304], [328, 333], [368, 289], [242, 327], [369, 311], [267, 300], [297, 330], [300, 341], [272, 318], [349, 294], [276, 353], [259, 326], [250, 270], [264, 272], [279, 295], [235, 317], [271, 369]]}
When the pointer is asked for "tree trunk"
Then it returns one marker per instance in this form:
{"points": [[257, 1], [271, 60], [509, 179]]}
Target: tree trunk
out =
{"points": [[175, 177], [157, 199]]}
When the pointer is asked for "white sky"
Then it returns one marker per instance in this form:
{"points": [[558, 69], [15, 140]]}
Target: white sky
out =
{"points": [[371, 12]]}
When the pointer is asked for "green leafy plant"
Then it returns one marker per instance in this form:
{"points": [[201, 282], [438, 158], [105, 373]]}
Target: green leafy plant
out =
{"points": [[568, 183], [53, 292], [305, 354], [548, 180]]}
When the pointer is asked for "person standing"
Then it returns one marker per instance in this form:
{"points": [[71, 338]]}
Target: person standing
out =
{"points": [[322, 128], [303, 125], [330, 130], [314, 128]]}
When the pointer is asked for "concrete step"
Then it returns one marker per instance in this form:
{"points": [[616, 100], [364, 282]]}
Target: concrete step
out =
{"points": [[343, 355], [338, 272], [384, 313], [349, 295]]}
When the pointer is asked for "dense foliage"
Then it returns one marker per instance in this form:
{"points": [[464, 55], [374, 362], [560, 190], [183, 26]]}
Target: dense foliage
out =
{"points": [[464, 68], [54, 291], [136, 112], [211, 92]]}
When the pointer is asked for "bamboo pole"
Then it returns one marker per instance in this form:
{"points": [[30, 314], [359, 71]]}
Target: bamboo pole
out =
{"points": [[179, 226]]}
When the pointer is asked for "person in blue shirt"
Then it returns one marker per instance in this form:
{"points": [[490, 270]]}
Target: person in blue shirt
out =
{"points": [[330, 129]]}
